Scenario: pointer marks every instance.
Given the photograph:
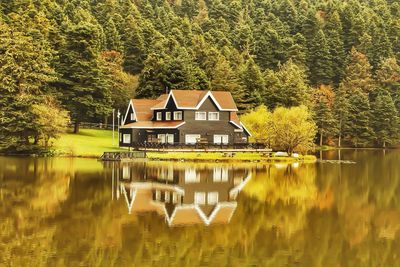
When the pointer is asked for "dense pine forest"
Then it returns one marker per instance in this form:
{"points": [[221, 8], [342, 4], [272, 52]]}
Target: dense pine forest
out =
{"points": [[76, 60]]}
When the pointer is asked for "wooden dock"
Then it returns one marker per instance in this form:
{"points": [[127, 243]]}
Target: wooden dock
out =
{"points": [[124, 155]]}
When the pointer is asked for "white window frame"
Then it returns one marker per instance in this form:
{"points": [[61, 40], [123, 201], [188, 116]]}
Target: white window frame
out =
{"points": [[132, 116], [220, 174], [200, 198], [211, 113], [197, 115], [169, 139], [191, 176], [159, 116], [126, 172], [167, 196], [212, 198], [174, 197], [178, 115], [221, 139], [126, 138], [168, 115], [158, 195], [161, 138], [191, 136]]}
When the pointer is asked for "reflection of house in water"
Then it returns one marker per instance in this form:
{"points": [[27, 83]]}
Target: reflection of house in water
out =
{"points": [[183, 194]]}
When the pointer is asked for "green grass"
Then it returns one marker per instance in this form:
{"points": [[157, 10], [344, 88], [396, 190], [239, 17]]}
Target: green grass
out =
{"points": [[87, 143], [212, 156]]}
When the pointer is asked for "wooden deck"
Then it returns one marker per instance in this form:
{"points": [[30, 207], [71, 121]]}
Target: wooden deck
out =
{"points": [[120, 156]]}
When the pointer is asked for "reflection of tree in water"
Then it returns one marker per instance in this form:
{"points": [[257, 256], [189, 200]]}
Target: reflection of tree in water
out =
{"points": [[28, 201]]}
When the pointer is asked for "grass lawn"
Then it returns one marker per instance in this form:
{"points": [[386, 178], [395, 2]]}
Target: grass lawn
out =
{"points": [[87, 143], [212, 156]]}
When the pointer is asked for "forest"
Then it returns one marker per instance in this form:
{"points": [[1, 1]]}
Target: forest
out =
{"points": [[64, 61]]}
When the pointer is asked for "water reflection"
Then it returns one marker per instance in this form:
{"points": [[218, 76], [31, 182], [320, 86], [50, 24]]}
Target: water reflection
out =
{"points": [[184, 194]]}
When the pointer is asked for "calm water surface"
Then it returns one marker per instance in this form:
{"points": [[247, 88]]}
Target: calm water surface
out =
{"points": [[81, 212]]}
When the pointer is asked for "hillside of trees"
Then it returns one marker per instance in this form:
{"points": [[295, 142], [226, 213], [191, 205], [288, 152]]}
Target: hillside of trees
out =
{"points": [[76, 60]]}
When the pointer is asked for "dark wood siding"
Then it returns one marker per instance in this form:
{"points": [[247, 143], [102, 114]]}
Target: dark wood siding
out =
{"points": [[207, 129]]}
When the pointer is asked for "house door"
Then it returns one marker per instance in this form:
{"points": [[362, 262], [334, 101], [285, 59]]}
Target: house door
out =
{"points": [[170, 138], [191, 138], [221, 139]]}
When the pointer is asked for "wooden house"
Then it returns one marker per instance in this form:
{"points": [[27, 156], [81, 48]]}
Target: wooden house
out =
{"points": [[183, 117]]}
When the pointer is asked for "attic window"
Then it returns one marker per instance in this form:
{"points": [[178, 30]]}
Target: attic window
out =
{"points": [[132, 116], [159, 116], [168, 116]]}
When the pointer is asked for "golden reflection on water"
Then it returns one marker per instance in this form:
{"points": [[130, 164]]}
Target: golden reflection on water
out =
{"points": [[79, 212]]}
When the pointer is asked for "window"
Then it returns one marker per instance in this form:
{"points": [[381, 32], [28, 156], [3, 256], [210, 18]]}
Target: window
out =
{"points": [[170, 139], [168, 116], [220, 174], [201, 116], [191, 139], [132, 116], [213, 116], [221, 139], [159, 116], [161, 138], [199, 198], [191, 176], [174, 197], [158, 195], [126, 138], [177, 115], [125, 172], [212, 198], [167, 196]]}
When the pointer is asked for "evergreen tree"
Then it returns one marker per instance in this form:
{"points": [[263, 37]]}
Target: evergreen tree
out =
{"points": [[24, 75], [388, 76], [385, 119], [113, 40], [286, 87], [84, 87], [323, 113], [253, 84], [320, 60], [358, 76], [333, 29], [134, 52], [359, 131]]}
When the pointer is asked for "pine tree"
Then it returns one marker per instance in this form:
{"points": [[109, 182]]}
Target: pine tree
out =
{"points": [[388, 76], [134, 52], [358, 76], [113, 40], [84, 87], [333, 29], [24, 74], [286, 87], [359, 131], [385, 119], [320, 60], [253, 84], [323, 113]]}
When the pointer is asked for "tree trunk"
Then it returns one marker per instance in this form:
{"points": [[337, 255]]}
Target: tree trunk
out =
{"points": [[384, 144], [105, 120], [320, 140], [76, 127]]}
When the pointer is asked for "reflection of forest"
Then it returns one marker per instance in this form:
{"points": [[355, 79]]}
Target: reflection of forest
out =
{"points": [[287, 215]]}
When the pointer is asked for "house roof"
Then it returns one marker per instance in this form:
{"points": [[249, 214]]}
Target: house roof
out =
{"points": [[234, 118], [142, 108], [192, 99], [154, 124]]}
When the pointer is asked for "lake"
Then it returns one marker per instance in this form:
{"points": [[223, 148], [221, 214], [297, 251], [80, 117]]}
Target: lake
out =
{"points": [[82, 212]]}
